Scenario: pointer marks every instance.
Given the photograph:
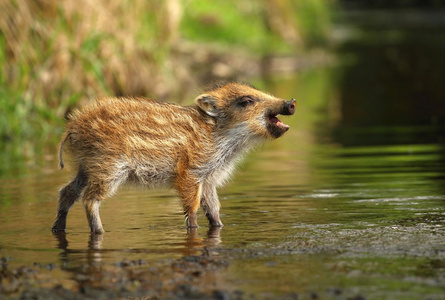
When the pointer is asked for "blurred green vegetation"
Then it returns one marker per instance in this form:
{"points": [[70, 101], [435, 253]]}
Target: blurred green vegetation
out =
{"points": [[265, 27], [55, 55]]}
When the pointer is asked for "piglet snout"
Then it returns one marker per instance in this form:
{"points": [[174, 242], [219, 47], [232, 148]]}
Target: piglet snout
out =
{"points": [[289, 107]]}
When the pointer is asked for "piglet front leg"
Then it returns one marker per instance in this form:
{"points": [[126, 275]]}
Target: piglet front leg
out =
{"points": [[210, 204], [189, 190]]}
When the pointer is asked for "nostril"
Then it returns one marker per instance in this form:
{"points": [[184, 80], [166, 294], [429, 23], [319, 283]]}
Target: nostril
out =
{"points": [[292, 106]]}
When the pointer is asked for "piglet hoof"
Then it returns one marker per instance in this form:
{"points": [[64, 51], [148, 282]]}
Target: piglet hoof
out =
{"points": [[192, 226], [59, 225], [192, 220], [97, 231], [214, 222]]}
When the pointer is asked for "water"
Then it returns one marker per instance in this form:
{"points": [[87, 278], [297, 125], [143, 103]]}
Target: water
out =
{"points": [[342, 206], [300, 216]]}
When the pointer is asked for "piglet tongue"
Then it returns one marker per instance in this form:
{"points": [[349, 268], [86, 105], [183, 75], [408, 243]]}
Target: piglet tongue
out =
{"points": [[284, 126], [278, 122]]}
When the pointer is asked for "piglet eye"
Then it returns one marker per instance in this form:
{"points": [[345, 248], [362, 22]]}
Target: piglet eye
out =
{"points": [[246, 101]]}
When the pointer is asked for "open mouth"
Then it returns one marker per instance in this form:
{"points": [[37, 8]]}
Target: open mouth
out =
{"points": [[274, 121]]}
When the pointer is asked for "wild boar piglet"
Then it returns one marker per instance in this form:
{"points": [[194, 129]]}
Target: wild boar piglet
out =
{"points": [[191, 148]]}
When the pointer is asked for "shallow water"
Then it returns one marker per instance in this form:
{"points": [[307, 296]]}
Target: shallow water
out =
{"points": [[300, 217]]}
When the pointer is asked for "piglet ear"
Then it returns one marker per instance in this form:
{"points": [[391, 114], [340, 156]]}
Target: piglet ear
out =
{"points": [[208, 104]]}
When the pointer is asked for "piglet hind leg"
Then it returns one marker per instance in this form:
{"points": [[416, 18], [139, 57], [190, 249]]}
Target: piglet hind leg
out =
{"points": [[210, 204], [92, 200], [67, 196]]}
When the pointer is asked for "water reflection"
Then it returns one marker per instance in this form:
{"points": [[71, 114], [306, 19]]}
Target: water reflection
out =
{"points": [[192, 245], [389, 89], [92, 252], [194, 242], [392, 73]]}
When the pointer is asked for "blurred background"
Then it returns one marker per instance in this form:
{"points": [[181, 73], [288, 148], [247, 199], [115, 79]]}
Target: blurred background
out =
{"points": [[383, 60]]}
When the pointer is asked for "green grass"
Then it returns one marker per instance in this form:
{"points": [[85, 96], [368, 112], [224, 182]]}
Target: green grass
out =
{"points": [[250, 24], [229, 23]]}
